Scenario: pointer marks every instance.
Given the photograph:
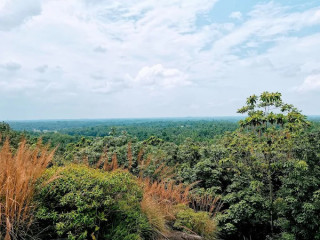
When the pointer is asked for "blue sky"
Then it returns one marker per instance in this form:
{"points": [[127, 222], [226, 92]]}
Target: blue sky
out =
{"points": [[155, 58]]}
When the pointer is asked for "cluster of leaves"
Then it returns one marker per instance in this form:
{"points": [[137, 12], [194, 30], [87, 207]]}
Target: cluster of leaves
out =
{"points": [[200, 222], [87, 203], [297, 203], [261, 113], [273, 189], [7, 133]]}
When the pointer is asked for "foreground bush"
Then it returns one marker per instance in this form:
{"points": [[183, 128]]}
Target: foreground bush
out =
{"points": [[18, 174], [199, 222], [85, 203]]}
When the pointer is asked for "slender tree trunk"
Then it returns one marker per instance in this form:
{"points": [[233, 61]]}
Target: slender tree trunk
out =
{"points": [[270, 196]]}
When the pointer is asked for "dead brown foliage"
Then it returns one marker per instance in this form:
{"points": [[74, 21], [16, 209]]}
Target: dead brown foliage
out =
{"points": [[19, 172], [206, 203]]}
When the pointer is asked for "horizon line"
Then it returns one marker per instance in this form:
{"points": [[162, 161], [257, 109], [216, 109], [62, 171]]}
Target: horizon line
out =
{"points": [[132, 118]]}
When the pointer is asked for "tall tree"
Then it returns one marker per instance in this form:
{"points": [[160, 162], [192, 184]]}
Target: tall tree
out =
{"points": [[274, 121], [259, 152]]}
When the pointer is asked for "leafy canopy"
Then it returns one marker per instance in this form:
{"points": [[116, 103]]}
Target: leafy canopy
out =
{"points": [[268, 110]]}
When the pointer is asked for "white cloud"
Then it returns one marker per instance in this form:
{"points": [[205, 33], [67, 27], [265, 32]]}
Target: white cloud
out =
{"points": [[42, 68], [266, 23], [106, 87], [98, 43], [10, 66], [159, 76], [100, 49], [311, 83], [15, 12], [236, 15]]}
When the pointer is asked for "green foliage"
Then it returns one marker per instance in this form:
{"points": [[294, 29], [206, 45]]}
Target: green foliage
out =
{"points": [[298, 204], [198, 222], [7, 132], [263, 160], [268, 110], [153, 141], [86, 203], [207, 171]]}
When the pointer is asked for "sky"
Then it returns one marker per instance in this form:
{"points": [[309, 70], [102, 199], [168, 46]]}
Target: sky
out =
{"points": [[155, 58]]}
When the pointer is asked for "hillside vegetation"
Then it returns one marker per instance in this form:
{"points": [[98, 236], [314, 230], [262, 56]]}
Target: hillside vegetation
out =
{"points": [[201, 179]]}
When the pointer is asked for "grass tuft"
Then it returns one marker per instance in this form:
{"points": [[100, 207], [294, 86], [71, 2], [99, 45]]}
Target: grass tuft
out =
{"points": [[19, 172]]}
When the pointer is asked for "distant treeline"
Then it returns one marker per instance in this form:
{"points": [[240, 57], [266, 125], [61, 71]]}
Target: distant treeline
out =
{"points": [[55, 125], [173, 130]]}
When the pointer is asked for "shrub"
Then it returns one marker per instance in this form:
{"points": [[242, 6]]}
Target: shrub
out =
{"points": [[197, 222], [86, 203]]}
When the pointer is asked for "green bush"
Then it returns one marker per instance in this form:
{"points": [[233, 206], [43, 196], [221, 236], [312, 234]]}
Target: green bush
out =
{"points": [[199, 222], [85, 203]]}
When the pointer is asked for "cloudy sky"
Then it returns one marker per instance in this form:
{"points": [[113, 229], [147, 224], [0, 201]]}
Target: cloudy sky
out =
{"points": [[155, 58]]}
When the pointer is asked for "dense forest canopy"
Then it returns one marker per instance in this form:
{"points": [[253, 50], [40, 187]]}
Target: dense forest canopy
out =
{"points": [[173, 130]]}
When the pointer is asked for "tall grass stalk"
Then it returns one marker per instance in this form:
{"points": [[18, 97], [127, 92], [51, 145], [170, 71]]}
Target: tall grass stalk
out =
{"points": [[19, 172]]}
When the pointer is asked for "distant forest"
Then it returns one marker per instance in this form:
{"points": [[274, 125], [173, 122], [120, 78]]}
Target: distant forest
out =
{"points": [[174, 130]]}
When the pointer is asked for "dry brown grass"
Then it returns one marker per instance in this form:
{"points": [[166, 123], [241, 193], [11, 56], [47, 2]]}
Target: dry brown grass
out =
{"points": [[166, 195], [206, 203], [18, 175], [155, 214]]}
